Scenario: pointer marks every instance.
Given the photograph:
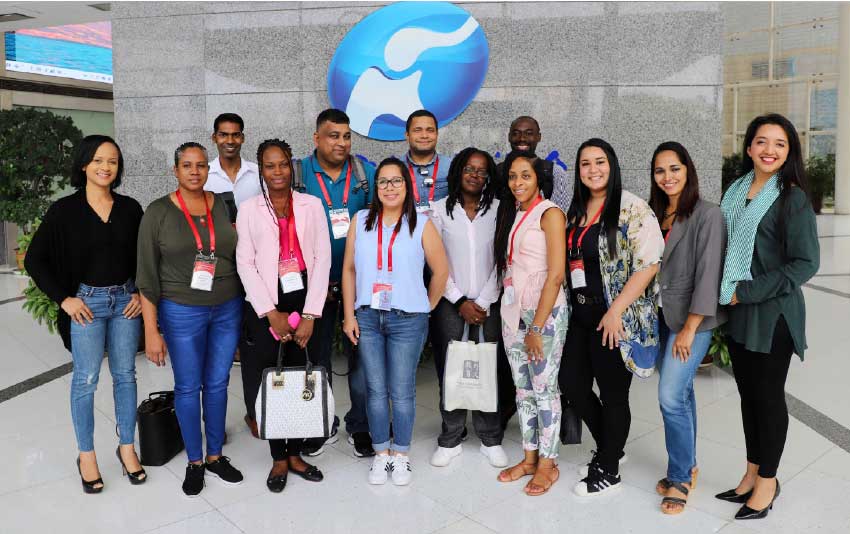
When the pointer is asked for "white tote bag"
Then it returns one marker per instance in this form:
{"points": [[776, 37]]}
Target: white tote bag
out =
{"points": [[469, 379]]}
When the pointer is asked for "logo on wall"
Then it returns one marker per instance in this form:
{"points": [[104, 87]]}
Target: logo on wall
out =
{"points": [[404, 57]]}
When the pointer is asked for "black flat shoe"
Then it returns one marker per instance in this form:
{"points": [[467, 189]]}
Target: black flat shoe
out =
{"points": [[136, 477], [276, 483], [89, 485], [748, 513], [312, 473], [731, 496]]}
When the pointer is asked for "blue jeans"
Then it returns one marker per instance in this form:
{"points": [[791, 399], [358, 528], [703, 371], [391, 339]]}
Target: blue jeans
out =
{"points": [[390, 345], [119, 336], [201, 341], [678, 403]]}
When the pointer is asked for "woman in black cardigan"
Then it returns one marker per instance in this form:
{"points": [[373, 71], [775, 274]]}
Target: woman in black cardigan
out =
{"points": [[83, 257]]}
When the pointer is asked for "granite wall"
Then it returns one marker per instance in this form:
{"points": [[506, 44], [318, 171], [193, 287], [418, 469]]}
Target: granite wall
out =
{"points": [[634, 73]]}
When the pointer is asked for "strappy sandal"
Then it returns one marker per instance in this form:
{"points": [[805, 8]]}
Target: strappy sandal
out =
{"points": [[544, 488], [664, 484], [509, 472], [677, 502]]}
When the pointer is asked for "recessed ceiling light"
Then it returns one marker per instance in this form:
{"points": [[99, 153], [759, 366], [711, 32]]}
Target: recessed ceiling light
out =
{"points": [[12, 17]]}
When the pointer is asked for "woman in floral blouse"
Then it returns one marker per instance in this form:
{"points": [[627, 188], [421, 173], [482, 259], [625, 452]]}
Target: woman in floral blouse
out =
{"points": [[614, 247]]}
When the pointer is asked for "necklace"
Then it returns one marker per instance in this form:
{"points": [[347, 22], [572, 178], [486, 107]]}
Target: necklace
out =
{"points": [[668, 215]]}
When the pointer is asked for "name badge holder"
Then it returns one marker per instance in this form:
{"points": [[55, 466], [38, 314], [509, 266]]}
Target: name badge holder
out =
{"points": [[203, 270], [287, 268], [428, 181], [509, 295], [340, 218], [578, 280], [382, 290]]}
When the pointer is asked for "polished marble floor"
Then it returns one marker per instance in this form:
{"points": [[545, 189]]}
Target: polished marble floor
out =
{"points": [[40, 490]]}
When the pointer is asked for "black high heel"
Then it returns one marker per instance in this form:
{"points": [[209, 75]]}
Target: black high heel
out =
{"points": [[748, 513], [136, 477], [89, 485], [731, 496]]}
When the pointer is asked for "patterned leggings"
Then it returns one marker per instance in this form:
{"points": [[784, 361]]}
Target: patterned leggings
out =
{"points": [[538, 398]]}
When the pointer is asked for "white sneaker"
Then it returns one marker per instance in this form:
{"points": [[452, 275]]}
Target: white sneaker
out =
{"points": [[496, 455], [583, 470], [381, 467], [400, 468], [443, 455]]}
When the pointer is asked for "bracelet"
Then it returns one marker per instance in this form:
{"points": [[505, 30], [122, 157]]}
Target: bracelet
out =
{"points": [[535, 330], [308, 316]]}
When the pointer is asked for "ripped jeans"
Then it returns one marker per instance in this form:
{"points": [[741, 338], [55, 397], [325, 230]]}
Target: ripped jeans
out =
{"points": [[109, 332]]}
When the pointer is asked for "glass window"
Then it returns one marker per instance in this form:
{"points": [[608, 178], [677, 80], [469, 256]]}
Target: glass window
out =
{"points": [[788, 99], [806, 50], [740, 52], [821, 145], [796, 12], [824, 105], [745, 16]]}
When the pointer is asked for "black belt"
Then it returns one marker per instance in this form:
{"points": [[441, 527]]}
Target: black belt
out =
{"points": [[587, 300]]}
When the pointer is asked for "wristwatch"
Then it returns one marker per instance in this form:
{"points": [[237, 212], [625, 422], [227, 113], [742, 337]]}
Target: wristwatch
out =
{"points": [[536, 330], [308, 316]]}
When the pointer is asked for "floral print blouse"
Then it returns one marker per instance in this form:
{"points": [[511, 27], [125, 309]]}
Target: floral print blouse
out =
{"points": [[639, 245]]}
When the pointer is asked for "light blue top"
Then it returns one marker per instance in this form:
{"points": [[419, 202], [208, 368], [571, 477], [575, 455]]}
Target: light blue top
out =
{"points": [[409, 293], [420, 172]]}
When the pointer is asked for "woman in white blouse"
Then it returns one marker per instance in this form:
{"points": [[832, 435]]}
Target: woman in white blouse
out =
{"points": [[466, 221]]}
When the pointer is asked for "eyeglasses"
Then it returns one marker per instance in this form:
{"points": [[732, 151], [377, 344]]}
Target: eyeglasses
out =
{"points": [[472, 171], [396, 182]]}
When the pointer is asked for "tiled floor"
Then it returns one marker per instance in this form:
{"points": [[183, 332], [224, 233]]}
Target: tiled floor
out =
{"points": [[40, 491]]}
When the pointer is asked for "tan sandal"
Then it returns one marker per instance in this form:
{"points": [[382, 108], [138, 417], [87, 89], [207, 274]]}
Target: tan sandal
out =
{"points": [[675, 505], [664, 484], [529, 488], [508, 475]]}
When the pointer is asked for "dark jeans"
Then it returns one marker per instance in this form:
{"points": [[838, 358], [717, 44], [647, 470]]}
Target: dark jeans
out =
{"points": [[355, 419], [608, 416], [447, 325], [761, 384], [259, 351]]}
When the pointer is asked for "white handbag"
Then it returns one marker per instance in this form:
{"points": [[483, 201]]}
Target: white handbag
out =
{"points": [[294, 402], [469, 378]]}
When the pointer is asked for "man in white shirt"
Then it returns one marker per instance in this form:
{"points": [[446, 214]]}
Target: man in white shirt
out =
{"points": [[230, 175]]}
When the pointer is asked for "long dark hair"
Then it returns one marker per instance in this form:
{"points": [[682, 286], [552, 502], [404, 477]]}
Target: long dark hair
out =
{"points": [[409, 206], [287, 151], [455, 180], [658, 199], [792, 172], [581, 195], [506, 214], [85, 154]]}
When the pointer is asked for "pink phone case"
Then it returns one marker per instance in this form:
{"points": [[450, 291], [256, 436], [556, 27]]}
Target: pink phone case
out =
{"points": [[294, 321]]}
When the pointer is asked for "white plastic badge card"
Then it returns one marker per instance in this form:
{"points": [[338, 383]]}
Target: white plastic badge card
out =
{"points": [[340, 221], [203, 273], [382, 296], [509, 296], [290, 275], [577, 278]]}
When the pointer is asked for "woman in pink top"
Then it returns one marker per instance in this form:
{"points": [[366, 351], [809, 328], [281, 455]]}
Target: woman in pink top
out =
{"points": [[284, 258], [530, 251]]}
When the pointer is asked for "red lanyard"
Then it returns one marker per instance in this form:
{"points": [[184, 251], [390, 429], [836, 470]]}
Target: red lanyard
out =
{"points": [[416, 187], [534, 204], [586, 228], [666, 237], [325, 189], [290, 227], [381, 245], [195, 228]]}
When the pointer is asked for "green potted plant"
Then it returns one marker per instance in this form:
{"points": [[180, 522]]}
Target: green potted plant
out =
{"points": [[820, 171], [718, 349], [36, 150], [36, 303]]}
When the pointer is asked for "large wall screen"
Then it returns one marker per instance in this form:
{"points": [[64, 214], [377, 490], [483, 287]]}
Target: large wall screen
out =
{"points": [[78, 51]]}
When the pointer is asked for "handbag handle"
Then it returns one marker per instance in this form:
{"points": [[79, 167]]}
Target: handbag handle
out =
{"points": [[156, 394], [309, 390], [466, 332]]}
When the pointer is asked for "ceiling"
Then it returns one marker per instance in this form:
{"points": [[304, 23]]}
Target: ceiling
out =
{"points": [[42, 14]]}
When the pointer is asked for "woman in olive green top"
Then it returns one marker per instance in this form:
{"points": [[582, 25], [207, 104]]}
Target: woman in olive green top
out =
{"points": [[772, 251], [186, 274]]}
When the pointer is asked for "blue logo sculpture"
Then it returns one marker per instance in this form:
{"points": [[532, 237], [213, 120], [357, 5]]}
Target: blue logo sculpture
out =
{"points": [[404, 57]]}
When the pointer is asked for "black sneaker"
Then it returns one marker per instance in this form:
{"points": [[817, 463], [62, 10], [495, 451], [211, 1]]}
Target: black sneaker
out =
{"points": [[224, 471], [315, 447], [594, 459], [362, 443], [597, 482], [194, 481]]}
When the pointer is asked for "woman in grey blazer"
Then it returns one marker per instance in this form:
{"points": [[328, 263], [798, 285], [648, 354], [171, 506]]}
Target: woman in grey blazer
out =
{"points": [[691, 267]]}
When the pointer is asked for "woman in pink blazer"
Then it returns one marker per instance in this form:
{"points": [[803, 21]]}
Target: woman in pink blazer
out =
{"points": [[283, 258]]}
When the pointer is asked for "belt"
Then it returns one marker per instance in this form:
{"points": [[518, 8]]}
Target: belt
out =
{"points": [[584, 299]]}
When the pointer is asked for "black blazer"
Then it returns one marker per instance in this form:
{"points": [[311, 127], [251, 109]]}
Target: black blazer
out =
{"points": [[56, 259]]}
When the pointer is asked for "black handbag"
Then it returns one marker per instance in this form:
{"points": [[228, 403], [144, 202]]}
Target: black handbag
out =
{"points": [[570, 425], [160, 439]]}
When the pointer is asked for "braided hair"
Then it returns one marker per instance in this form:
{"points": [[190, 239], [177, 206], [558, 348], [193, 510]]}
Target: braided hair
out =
{"points": [[287, 151], [455, 179]]}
